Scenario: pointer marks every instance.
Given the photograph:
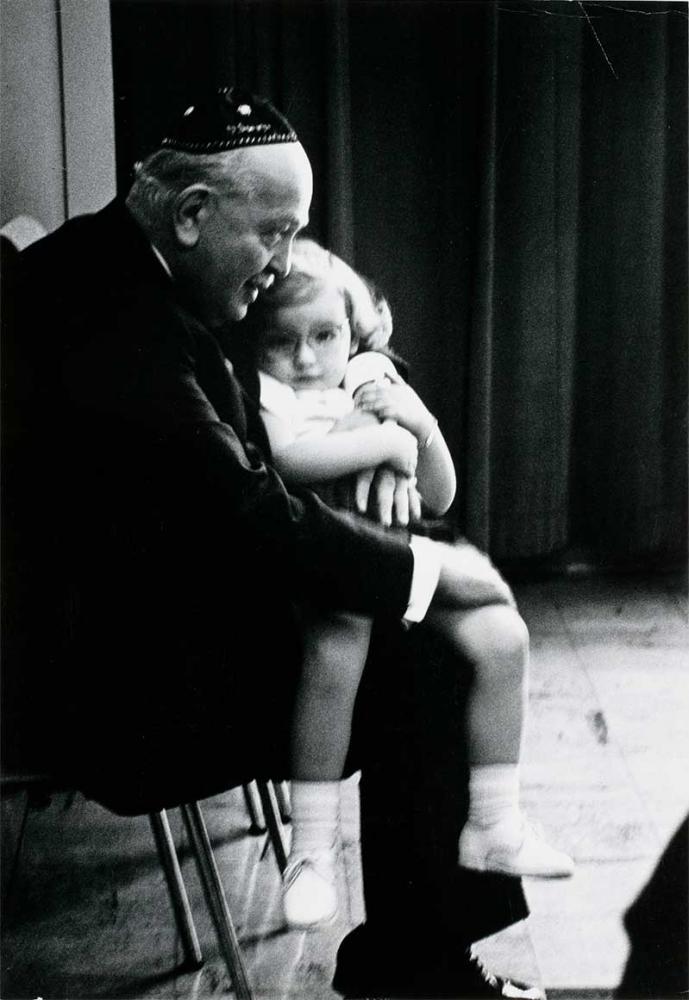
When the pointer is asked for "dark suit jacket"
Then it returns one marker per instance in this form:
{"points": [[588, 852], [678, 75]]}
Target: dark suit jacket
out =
{"points": [[153, 554]]}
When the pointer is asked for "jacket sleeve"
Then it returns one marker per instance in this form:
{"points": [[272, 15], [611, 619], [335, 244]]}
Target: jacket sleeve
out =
{"points": [[183, 422]]}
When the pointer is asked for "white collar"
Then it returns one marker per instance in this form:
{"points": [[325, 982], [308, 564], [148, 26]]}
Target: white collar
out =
{"points": [[162, 260]]}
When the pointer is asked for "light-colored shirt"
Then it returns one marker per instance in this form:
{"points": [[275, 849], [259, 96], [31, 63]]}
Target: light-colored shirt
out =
{"points": [[426, 571], [314, 412]]}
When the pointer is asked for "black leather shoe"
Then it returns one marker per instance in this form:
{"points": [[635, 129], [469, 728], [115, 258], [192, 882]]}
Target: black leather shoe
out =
{"points": [[470, 982], [485, 984]]}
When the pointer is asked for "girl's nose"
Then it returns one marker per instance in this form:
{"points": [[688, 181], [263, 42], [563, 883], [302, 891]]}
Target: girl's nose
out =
{"points": [[304, 354]]}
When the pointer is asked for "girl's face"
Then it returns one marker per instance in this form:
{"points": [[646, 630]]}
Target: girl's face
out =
{"points": [[307, 345]]}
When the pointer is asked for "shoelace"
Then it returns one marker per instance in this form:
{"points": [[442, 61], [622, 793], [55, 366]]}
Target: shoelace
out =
{"points": [[509, 988], [488, 976]]}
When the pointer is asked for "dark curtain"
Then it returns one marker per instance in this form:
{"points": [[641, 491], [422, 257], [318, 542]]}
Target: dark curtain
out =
{"points": [[513, 175]]}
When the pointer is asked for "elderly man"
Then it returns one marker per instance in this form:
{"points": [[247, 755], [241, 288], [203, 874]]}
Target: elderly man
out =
{"points": [[158, 554]]}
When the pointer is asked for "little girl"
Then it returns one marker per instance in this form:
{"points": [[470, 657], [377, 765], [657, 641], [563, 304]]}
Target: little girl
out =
{"points": [[333, 407]]}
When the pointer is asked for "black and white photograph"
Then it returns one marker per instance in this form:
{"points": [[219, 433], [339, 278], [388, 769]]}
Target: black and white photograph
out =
{"points": [[343, 371]]}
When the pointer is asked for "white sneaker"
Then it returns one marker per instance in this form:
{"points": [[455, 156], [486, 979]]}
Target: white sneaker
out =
{"points": [[511, 849], [309, 893]]}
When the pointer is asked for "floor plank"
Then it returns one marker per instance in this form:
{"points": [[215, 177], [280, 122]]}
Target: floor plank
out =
{"points": [[605, 761], [604, 772]]}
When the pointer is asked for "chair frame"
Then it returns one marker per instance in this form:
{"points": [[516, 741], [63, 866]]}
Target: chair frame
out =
{"points": [[209, 876]]}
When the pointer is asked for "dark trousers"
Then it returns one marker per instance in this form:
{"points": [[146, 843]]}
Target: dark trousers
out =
{"points": [[157, 702], [409, 741]]}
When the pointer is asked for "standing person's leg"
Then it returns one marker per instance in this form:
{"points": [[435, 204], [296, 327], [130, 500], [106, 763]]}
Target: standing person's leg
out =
{"points": [[495, 642], [335, 650], [422, 910]]}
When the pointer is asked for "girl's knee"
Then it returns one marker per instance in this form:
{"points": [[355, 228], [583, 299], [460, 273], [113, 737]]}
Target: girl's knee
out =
{"points": [[511, 633], [494, 638], [505, 655]]}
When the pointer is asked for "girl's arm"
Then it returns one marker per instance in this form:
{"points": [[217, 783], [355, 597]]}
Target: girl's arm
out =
{"points": [[435, 471], [340, 453]]}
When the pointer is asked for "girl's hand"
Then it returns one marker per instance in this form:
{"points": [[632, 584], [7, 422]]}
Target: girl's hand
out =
{"points": [[396, 401], [353, 421]]}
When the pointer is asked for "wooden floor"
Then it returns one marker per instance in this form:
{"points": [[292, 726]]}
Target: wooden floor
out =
{"points": [[606, 758]]}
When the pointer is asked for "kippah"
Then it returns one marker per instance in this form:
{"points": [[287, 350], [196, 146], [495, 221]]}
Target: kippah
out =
{"points": [[228, 118]]}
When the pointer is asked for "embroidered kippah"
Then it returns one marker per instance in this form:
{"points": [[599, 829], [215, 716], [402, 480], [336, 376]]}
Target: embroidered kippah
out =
{"points": [[228, 118]]}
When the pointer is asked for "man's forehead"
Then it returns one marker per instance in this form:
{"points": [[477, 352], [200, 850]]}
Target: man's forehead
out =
{"points": [[281, 160], [279, 180]]}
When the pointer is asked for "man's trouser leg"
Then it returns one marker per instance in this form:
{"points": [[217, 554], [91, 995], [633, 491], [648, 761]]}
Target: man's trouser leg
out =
{"points": [[422, 909]]}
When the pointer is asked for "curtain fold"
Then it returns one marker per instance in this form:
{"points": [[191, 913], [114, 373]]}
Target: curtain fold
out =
{"points": [[513, 175], [521, 344], [629, 466], [477, 480], [340, 218]]}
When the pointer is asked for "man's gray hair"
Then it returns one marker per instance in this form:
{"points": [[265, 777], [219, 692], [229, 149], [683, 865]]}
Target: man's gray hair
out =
{"points": [[166, 173]]}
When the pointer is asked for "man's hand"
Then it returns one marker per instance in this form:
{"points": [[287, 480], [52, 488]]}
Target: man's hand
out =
{"points": [[388, 497], [468, 579]]}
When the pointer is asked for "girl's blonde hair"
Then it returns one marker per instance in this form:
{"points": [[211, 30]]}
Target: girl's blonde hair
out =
{"points": [[313, 266]]}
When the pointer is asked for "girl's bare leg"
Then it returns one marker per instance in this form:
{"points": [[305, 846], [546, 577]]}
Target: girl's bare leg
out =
{"points": [[335, 651], [495, 641]]}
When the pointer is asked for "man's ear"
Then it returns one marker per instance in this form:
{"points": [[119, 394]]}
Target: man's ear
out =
{"points": [[191, 208], [353, 345]]}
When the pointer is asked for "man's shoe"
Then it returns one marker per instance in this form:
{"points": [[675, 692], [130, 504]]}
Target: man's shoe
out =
{"points": [[511, 849], [309, 893], [486, 985], [470, 982]]}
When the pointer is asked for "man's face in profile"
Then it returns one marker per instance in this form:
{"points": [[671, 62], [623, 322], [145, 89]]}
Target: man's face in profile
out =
{"points": [[245, 238]]}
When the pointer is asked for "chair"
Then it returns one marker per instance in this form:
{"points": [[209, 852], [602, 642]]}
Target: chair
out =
{"points": [[38, 786], [253, 804], [274, 812]]}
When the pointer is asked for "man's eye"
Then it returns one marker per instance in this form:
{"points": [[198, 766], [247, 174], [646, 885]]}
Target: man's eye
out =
{"points": [[273, 236]]}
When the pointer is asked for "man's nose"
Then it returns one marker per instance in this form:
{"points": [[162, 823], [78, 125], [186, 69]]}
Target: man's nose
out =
{"points": [[281, 261]]}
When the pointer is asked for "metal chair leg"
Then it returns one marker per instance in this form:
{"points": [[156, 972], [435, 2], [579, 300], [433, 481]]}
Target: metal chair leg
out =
{"points": [[253, 807], [282, 796], [178, 893], [272, 817], [215, 898]]}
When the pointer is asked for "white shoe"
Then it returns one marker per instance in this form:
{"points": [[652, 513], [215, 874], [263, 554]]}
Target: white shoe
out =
{"points": [[511, 849], [309, 894]]}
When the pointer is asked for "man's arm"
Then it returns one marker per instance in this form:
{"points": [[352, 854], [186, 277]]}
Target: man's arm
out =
{"points": [[345, 558], [181, 393], [203, 469]]}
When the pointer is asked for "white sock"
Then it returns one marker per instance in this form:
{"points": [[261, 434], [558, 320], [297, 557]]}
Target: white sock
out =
{"points": [[493, 793], [315, 816]]}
